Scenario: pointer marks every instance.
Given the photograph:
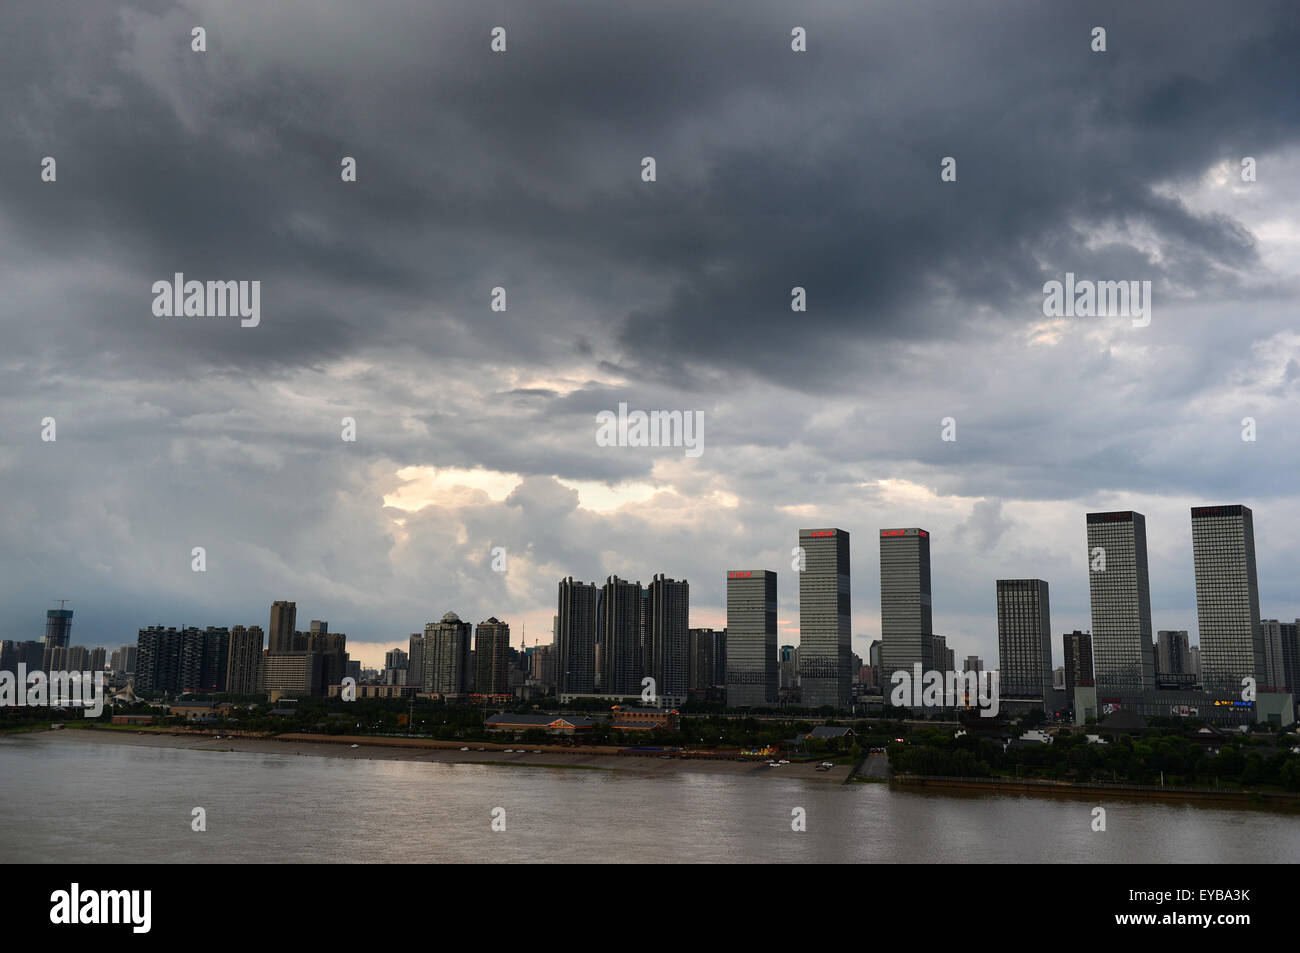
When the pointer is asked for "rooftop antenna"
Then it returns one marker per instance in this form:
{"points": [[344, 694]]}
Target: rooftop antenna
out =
{"points": [[61, 602]]}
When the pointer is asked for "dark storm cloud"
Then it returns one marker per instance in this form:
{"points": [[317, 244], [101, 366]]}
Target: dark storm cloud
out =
{"points": [[521, 170]]}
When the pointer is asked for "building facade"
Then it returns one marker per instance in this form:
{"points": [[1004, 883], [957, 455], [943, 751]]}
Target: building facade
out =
{"points": [[825, 619], [751, 638]]}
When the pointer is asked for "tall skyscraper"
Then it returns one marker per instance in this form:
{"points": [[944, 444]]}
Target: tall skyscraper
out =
{"points": [[1227, 598], [415, 661], [825, 619], [619, 624], [575, 641], [1078, 662], [1171, 652], [751, 638], [284, 618], [491, 642], [1120, 594], [708, 650], [58, 628], [244, 660], [1282, 655], [667, 628], [906, 622], [1024, 640], [447, 656]]}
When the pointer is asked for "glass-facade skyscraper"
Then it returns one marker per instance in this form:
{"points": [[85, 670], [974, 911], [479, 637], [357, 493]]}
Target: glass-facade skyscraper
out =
{"points": [[906, 619], [1227, 598], [825, 619], [751, 638], [1120, 595], [1024, 640]]}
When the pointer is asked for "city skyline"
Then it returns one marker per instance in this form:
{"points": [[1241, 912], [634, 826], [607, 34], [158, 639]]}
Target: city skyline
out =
{"points": [[371, 652]]}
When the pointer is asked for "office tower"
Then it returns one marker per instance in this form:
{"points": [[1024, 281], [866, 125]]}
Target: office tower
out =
{"points": [[1024, 640], [354, 669], [396, 659], [576, 638], [1058, 679], [942, 658], [825, 619], [618, 631], [284, 619], [58, 628], [1281, 655], [1194, 660], [1078, 662], [446, 656], [751, 638], [973, 663], [491, 657], [244, 660], [97, 655], [332, 648], [1227, 598], [319, 627], [667, 630], [542, 666], [128, 659], [158, 660], [1171, 652], [1119, 591], [415, 661], [906, 623]]}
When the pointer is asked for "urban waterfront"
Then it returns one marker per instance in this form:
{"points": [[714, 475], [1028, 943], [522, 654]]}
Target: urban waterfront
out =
{"points": [[73, 801]]}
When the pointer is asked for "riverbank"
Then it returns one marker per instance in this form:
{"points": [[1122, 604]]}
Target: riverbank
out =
{"points": [[369, 748], [1093, 791]]}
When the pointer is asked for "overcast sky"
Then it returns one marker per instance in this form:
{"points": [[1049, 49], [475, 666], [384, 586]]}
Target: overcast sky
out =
{"points": [[522, 169]]}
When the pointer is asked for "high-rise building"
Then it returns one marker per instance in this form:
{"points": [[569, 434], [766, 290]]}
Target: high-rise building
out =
{"points": [[491, 650], [284, 619], [942, 657], [447, 656], [576, 638], [415, 661], [1227, 598], [158, 660], [1024, 640], [668, 631], [788, 667], [97, 659], [1120, 595], [825, 619], [973, 663], [292, 674], [708, 665], [906, 622], [751, 638], [1281, 655], [395, 659], [58, 628], [619, 625], [1078, 662], [244, 660], [332, 648], [1171, 652]]}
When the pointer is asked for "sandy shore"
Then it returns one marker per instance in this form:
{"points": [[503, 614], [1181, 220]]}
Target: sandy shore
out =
{"points": [[387, 750]]}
